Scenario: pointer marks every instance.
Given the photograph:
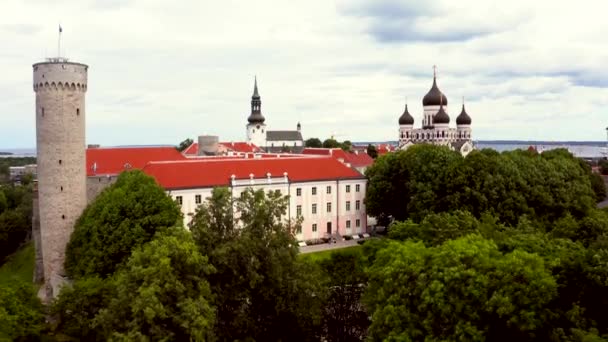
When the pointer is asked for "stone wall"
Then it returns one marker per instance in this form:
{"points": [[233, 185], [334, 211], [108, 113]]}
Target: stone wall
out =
{"points": [[96, 184]]}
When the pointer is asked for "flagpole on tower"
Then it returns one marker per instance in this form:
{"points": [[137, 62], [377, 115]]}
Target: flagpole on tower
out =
{"points": [[59, 41]]}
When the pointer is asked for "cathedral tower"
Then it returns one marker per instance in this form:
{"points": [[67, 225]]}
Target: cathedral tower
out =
{"points": [[60, 88], [256, 129]]}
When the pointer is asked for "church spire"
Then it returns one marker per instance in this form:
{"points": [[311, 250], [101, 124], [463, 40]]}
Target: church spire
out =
{"points": [[255, 87], [256, 105]]}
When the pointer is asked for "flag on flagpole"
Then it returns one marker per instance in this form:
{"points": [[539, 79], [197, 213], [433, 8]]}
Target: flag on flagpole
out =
{"points": [[60, 29]]}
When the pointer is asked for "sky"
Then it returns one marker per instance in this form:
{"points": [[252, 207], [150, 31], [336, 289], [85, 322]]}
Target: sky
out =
{"points": [[163, 71]]}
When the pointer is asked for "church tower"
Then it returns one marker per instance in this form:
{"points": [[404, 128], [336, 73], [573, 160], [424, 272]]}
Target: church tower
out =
{"points": [[60, 88], [256, 128]]}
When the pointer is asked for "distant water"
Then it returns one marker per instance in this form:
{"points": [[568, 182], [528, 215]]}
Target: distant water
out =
{"points": [[582, 150], [18, 152]]}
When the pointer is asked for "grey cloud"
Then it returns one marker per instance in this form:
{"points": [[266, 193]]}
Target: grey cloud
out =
{"points": [[392, 21]]}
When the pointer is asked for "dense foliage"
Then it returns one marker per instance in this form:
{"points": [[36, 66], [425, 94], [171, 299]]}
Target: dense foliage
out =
{"points": [[21, 315], [15, 217], [124, 216], [428, 179], [262, 291]]}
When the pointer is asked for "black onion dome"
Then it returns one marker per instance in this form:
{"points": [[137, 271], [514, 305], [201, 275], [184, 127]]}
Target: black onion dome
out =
{"points": [[406, 118], [441, 117], [434, 97], [463, 118]]}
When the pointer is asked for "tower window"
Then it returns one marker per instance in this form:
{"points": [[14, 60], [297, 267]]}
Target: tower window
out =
{"points": [[77, 111], [59, 161], [63, 217], [42, 109], [61, 188]]}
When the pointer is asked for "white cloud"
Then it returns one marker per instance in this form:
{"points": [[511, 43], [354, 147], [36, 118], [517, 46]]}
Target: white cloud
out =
{"points": [[160, 72]]}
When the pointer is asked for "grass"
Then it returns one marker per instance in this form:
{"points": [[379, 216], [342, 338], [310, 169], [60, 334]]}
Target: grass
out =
{"points": [[317, 256], [19, 266]]}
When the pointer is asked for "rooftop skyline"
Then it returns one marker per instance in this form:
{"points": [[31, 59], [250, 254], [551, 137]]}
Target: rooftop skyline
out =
{"points": [[159, 74]]}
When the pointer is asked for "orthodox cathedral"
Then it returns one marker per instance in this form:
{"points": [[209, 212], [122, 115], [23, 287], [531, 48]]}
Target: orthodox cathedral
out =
{"points": [[436, 124], [270, 141]]}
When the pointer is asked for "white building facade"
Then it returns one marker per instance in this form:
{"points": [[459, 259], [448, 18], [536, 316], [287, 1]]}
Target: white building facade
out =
{"points": [[327, 206]]}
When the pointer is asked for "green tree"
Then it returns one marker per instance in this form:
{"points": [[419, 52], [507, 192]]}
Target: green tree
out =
{"points": [[346, 145], [331, 143], [263, 292], [372, 151], [15, 218], [21, 313], [344, 317], [411, 183], [604, 167], [78, 305], [435, 229], [184, 145], [313, 142], [599, 187], [125, 215], [465, 289], [162, 293]]}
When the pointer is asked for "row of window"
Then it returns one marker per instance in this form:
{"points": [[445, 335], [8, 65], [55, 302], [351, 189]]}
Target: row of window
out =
{"points": [[328, 207], [198, 199], [42, 111], [328, 189], [348, 226], [459, 135]]}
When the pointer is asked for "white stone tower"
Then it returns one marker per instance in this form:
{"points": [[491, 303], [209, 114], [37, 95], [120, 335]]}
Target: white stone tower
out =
{"points": [[60, 88], [256, 128]]}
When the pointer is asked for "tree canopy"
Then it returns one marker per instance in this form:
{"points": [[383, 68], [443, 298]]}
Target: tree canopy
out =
{"points": [[465, 289], [125, 215], [372, 151], [263, 292], [428, 179], [184, 144], [313, 142]]}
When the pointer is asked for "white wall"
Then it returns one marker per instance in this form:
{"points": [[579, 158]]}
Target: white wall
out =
{"points": [[338, 217]]}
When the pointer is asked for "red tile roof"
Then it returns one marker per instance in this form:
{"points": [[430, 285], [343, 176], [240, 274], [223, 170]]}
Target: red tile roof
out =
{"points": [[201, 173], [238, 146], [355, 159], [112, 160]]}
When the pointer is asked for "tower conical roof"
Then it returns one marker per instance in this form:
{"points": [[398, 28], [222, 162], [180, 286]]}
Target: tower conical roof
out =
{"points": [[255, 88], [406, 118]]}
